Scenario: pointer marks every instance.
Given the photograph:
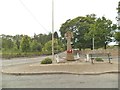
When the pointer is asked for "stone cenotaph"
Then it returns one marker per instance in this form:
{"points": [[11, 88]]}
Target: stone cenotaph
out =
{"points": [[69, 55]]}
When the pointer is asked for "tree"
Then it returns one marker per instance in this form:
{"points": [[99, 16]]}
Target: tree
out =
{"points": [[58, 46], [117, 34], [7, 42], [25, 44], [85, 28], [79, 26], [43, 38], [118, 9], [0, 42], [17, 39], [117, 37], [35, 46], [56, 35], [100, 30]]}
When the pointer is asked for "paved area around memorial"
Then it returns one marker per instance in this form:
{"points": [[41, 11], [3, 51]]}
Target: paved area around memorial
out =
{"points": [[75, 67]]}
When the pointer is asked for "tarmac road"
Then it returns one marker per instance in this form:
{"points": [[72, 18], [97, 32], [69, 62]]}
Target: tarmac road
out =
{"points": [[60, 81], [20, 61]]}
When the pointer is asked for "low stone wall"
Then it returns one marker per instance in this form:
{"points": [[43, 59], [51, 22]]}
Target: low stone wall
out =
{"points": [[113, 52]]}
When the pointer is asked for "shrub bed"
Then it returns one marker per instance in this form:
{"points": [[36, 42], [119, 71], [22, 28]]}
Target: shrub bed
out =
{"points": [[46, 61], [99, 59]]}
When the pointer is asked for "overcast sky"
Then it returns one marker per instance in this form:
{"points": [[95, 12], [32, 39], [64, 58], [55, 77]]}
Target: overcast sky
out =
{"points": [[35, 16]]}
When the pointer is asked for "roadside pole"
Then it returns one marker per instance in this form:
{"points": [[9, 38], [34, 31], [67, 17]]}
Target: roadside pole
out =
{"points": [[53, 30]]}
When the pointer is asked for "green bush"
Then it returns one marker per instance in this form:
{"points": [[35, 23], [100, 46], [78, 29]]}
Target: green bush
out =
{"points": [[46, 61], [99, 59]]}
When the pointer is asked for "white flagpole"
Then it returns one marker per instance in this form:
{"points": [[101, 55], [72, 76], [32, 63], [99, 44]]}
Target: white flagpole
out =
{"points": [[52, 29]]}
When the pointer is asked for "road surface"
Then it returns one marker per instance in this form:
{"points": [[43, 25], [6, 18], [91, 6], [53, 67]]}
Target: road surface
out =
{"points": [[21, 61], [60, 81]]}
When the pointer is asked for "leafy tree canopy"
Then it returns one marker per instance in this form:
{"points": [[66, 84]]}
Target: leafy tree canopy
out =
{"points": [[85, 28]]}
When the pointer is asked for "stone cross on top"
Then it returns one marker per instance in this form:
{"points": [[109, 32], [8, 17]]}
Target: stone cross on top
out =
{"points": [[68, 36]]}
